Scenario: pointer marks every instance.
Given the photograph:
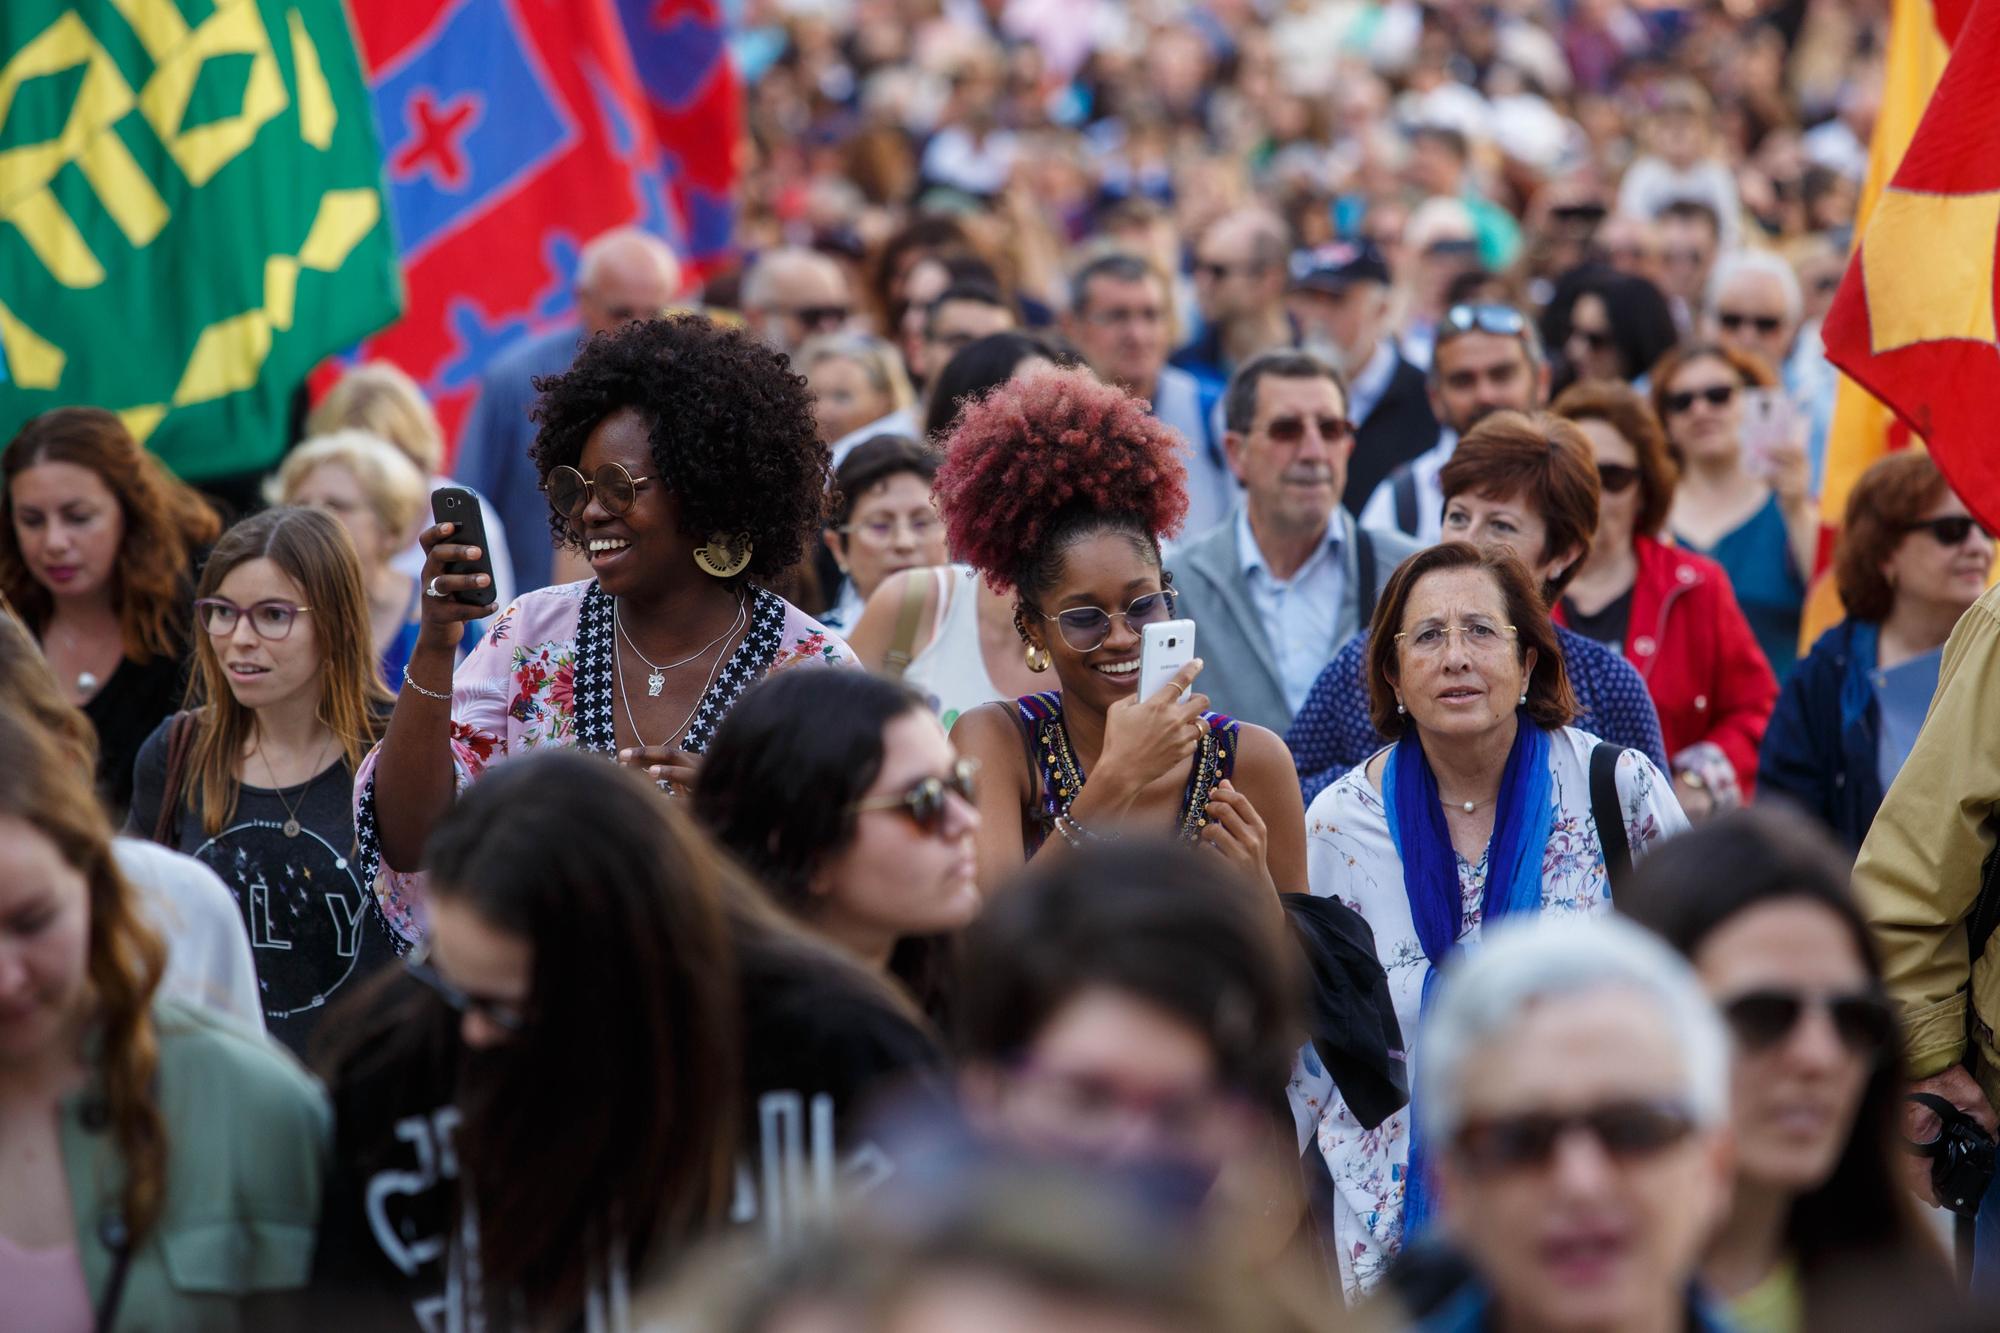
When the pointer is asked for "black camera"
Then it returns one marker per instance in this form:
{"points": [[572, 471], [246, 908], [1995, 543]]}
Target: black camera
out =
{"points": [[1962, 1156]]}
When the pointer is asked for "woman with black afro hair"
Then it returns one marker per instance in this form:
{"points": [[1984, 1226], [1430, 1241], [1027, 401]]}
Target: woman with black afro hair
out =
{"points": [[1059, 488], [680, 459]]}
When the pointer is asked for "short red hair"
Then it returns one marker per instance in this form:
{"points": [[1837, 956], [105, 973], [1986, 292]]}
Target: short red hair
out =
{"points": [[1053, 445], [1893, 493]]}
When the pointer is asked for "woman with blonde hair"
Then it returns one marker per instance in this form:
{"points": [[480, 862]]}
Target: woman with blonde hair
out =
{"points": [[256, 778], [859, 389], [379, 398], [158, 1160], [95, 558], [378, 496]]}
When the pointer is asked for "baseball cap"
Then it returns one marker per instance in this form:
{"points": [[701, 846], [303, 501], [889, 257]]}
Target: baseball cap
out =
{"points": [[1334, 268]]}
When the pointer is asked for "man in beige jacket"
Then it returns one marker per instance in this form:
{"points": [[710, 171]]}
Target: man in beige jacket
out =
{"points": [[1920, 871]]}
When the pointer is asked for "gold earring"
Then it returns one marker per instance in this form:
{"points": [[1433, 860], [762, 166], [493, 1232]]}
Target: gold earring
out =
{"points": [[721, 558], [1038, 659]]}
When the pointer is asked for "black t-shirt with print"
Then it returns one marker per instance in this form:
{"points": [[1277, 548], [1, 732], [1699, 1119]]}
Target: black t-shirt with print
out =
{"points": [[313, 926]]}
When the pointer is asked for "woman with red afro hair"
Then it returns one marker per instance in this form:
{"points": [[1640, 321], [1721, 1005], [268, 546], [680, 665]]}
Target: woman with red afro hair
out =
{"points": [[1058, 488]]}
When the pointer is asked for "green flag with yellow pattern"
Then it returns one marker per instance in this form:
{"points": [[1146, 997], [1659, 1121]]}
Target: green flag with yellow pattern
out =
{"points": [[191, 216]]}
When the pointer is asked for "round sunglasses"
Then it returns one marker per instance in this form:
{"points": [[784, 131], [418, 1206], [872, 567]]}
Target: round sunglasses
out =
{"points": [[570, 491], [1085, 628], [928, 798]]}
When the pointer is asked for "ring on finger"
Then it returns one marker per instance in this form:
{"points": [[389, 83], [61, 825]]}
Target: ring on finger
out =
{"points": [[431, 588]]}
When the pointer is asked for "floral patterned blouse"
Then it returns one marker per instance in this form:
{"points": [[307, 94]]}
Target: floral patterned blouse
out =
{"points": [[543, 676], [1349, 856]]}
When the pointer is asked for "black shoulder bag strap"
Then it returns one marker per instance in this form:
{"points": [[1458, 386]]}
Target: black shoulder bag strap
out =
{"points": [[1364, 574], [1607, 815], [1403, 486], [118, 1240]]}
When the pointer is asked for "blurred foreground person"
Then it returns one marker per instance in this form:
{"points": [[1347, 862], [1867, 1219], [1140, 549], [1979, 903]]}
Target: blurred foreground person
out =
{"points": [[1819, 1213], [1576, 1082], [160, 1167], [613, 1042]]}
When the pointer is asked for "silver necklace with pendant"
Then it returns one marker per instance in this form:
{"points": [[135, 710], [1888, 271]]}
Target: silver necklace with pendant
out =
{"points": [[292, 828], [656, 679]]}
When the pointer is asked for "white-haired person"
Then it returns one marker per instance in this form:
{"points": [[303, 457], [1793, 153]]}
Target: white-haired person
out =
{"points": [[379, 496], [859, 389], [1574, 1083]]}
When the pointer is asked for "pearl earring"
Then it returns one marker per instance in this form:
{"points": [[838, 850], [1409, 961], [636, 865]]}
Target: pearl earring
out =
{"points": [[1524, 698], [1399, 705]]}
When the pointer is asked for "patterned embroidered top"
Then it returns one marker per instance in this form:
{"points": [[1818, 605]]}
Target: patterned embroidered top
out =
{"points": [[1060, 775], [543, 676]]}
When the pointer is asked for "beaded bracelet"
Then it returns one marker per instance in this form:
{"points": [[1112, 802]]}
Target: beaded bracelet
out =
{"points": [[1076, 835], [428, 694]]}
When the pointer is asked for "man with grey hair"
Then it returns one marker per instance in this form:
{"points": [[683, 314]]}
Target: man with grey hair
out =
{"points": [[623, 275], [1239, 286], [1572, 1109], [1754, 305], [1289, 575], [791, 293]]}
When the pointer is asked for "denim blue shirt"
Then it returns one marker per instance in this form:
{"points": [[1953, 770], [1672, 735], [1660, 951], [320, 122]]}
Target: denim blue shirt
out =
{"points": [[1331, 732], [1299, 614]]}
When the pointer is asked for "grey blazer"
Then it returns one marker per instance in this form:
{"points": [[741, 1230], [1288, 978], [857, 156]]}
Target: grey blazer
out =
{"points": [[1239, 671]]}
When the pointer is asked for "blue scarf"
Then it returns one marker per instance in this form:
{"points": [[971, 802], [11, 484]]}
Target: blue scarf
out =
{"points": [[1523, 820]]}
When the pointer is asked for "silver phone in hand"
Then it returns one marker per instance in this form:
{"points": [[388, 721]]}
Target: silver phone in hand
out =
{"points": [[1164, 649]]}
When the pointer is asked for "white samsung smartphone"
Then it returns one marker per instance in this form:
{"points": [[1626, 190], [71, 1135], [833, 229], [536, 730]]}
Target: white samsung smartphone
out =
{"points": [[1769, 422], [1164, 649]]}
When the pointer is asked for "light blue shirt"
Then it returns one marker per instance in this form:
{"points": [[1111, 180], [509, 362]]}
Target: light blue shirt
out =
{"points": [[1299, 614]]}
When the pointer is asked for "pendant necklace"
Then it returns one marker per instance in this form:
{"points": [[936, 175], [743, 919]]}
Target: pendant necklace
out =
{"points": [[1470, 806], [626, 699], [656, 680], [292, 827]]}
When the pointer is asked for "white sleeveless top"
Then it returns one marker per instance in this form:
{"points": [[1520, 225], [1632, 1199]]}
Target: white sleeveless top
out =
{"points": [[951, 670]]}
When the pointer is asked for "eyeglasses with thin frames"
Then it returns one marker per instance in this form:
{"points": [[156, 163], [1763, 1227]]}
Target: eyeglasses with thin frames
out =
{"points": [[501, 1015], [1085, 628], [272, 619], [615, 488], [1478, 635], [927, 799]]}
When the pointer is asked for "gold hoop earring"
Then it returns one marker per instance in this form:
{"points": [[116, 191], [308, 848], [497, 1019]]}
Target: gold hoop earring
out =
{"points": [[1038, 659], [721, 558]]}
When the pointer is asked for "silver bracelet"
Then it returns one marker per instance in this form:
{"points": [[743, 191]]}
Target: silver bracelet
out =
{"points": [[428, 694]]}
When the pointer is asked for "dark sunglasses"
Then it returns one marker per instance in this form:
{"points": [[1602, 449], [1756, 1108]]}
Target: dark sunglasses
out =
{"points": [[1290, 430], [1951, 530], [1218, 272], [1616, 478], [1734, 320], [615, 488], [1716, 395], [503, 1016], [1085, 628], [1595, 339], [925, 803], [1627, 1131], [822, 316], [1501, 320], [1762, 1019], [1590, 213]]}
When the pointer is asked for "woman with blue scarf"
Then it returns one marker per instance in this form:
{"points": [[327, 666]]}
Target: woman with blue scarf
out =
{"points": [[1479, 810], [1910, 561]]}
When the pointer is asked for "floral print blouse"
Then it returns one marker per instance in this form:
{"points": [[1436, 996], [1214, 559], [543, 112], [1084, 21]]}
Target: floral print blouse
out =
{"points": [[1349, 856], [543, 676]]}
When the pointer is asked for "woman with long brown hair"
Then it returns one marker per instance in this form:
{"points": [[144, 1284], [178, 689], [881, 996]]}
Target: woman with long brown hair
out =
{"points": [[96, 556], [157, 1159], [256, 778]]}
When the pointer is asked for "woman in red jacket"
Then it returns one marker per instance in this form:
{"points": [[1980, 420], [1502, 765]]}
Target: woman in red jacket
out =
{"points": [[1670, 611]]}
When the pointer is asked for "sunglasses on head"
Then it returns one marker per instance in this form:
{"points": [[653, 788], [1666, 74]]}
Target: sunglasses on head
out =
{"points": [[1085, 628], [1735, 320], [1627, 1131], [1290, 430], [1952, 530], [926, 800], [1715, 395], [615, 489], [1501, 320], [1616, 478], [1762, 1019]]}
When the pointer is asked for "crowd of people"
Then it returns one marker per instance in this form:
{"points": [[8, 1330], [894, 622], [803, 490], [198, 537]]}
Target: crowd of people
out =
{"points": [[695, 851]]}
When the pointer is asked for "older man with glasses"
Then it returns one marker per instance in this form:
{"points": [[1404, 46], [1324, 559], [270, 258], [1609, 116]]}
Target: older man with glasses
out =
{"points": [[1573, 1096]]}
